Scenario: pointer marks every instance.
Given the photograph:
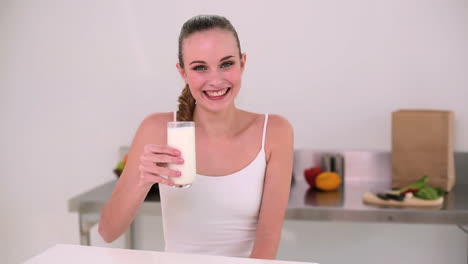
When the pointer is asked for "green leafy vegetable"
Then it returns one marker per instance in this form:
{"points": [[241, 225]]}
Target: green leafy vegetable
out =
{"points": [[440, 192], [427, 193], [424, 192], [417, 185]]}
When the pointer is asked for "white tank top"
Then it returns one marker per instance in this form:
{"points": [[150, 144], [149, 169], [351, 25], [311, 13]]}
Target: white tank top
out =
{"points": [[216, 215]]}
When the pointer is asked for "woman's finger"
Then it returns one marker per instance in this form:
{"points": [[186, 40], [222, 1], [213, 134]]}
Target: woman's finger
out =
{"points": [[159, 170], [161, 158], [162, 149], [156, 179]]}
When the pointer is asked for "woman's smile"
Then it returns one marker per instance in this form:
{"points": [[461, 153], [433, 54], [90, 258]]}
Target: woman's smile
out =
{"points": [[217, 94]]}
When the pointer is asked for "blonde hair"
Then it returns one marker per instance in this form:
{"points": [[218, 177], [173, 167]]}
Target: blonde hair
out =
{"points": [[193, 25]]}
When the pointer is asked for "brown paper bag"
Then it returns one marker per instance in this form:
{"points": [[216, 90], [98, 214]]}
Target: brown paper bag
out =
{"points": [[422, 144]]}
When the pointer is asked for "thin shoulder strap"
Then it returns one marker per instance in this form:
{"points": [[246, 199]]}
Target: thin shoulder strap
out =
{"points": [[175, 116], [264, 131]]}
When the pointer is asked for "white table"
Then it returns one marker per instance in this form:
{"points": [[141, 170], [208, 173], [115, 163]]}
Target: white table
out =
{"points": [[71, 254]]}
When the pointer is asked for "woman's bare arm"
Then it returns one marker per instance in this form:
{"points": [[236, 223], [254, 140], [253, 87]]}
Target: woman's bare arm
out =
{"points": [[131, 189], [276, 188]]}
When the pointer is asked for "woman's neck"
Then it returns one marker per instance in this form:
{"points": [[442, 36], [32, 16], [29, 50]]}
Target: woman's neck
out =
{"points": [[217, 124]]}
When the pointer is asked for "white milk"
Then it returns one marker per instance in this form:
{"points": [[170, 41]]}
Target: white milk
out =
{"points": [[183, 139]]}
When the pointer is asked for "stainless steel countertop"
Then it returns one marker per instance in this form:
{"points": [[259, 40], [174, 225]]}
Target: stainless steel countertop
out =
{"points": [[306, 204], [364, 171], [346, 205]]}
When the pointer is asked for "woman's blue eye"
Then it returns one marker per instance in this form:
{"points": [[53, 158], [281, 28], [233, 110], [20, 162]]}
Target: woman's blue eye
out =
{"points": [[227, 64], [199, 68]]}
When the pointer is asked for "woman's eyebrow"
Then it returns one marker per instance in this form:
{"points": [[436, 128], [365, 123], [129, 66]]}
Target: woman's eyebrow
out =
{"points": [[197, 62], [223, 59], [227, 57]]}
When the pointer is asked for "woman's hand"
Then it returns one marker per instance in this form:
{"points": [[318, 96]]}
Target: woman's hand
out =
{"points": [[154, 161]]}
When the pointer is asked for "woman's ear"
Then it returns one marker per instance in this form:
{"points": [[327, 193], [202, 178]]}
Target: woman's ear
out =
{"points": [[242, 61], [182, 72]]}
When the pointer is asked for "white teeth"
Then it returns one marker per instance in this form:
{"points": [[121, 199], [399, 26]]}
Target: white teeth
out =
{"points": [[217, 93]]}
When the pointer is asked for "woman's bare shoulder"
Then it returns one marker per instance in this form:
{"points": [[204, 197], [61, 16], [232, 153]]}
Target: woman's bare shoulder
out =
{"points": [[279, 132], [154, 124], [278, 123], [152, 130], [157, 119], [251, 117]]}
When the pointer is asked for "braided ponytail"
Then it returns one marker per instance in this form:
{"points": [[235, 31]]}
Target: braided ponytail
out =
{"points": [[186, 105]]}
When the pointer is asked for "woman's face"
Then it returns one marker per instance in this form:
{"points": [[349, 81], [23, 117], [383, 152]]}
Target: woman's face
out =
{"points": [[212, 68]]}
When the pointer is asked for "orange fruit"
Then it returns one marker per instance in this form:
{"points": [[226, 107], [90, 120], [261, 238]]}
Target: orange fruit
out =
{"points": [[328, 181], [125, 158]]}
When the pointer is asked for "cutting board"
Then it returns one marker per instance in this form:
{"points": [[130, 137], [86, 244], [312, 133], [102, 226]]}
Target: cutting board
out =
{"points": [[372, 199]]}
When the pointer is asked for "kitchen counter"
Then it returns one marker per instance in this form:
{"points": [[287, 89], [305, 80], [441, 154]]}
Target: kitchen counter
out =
{"points": [[307, 204], [365, 171], [304, 204], [71, 254], [346, 205]]}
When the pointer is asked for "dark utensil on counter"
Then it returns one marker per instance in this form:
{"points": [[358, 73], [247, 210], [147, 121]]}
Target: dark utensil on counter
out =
{"points": [[334, 162]]}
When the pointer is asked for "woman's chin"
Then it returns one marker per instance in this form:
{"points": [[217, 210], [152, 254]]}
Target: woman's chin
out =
{"points": [[214, 108], [217, 107]]}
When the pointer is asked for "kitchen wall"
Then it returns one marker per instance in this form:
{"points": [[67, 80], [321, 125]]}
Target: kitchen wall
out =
{"points": [[77, 77]]}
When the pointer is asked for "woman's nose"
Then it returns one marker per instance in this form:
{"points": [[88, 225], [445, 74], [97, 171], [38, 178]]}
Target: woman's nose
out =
{"points": [[216, 78]]}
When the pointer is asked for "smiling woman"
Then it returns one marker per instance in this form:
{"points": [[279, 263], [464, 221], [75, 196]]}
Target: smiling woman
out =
{"points": [[214, 71], [237, 203]]}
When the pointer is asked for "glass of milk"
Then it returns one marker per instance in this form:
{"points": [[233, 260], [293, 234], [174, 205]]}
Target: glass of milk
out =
{"points": [[181, 136]]}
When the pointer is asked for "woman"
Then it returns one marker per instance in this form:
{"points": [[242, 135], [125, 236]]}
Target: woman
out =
{"points": [[237, 204]]}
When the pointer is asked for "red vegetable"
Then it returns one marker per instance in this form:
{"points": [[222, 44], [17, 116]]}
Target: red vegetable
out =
{"points": [[310, 175], [413, 191]]}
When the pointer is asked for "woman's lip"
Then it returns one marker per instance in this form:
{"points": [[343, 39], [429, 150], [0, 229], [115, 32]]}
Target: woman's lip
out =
{"points": [[217, 97]]}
